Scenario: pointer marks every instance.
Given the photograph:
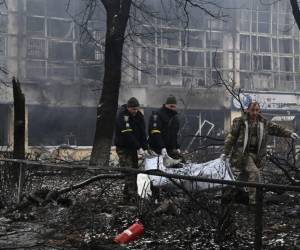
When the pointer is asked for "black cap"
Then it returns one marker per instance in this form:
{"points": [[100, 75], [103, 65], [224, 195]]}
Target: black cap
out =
{"points": [[171, 100], [133, 103]]}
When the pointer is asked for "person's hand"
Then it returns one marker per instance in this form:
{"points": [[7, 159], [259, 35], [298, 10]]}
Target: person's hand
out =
{"points": [[141, 152], [294, 136], [164, 152], [223, 157]]}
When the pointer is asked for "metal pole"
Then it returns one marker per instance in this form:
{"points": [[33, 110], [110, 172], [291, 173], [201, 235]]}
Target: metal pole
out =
{"points": [[258, 218], [21, 182]]}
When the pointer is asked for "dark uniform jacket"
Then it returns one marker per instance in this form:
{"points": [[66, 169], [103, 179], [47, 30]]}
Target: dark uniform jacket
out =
{"points": [[163, 130], [237, 142], [130, 131]]}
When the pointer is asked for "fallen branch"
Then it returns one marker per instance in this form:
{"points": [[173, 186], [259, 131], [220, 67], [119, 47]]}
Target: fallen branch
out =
{"points": [[43, 197], [91, 180]]}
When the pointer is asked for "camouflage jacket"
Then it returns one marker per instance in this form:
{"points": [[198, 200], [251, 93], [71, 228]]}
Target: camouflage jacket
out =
{"points": [[237, 141]]}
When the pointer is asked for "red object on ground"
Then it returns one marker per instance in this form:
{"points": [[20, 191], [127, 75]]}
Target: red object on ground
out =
{"points": [[130, 234]]}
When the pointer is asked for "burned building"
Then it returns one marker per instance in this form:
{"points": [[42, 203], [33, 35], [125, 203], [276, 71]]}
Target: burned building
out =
{"points": [[255, 46], [60, 73]]}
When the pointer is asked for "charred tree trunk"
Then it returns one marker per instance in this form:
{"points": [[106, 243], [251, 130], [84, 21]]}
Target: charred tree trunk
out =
{"points": [[19, 121], [117, 17], [296, 11]]}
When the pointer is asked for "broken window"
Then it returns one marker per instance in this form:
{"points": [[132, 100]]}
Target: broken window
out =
{"points": [[36, 7], [274, 45], [275, 63], [76, 123], [169, 76], [264, 19], [217, 60], [263, 27], [214, 40], [196, 79], [86, 51], [3, 42], [254, 43], [195, 39], [35, 69], [60, 50], [296, 64], [286, 82], [36, 48], [196, 59], [286, 64], [285, 45], [256, 63], [60, 29], [99, 55], [215, 24], [61, 70], [245, 80], [57, 8], [285, 24], [254, 21], [148, 76], [245, 20], [266, 62], [148, 56], [35, 26], [296, 46], [261, 62], [170, 37], [245, 61], [3, 24], [244, 42], [297, 81], [148, 34], [264, 44], [91, 71], [208, 60], [169, 57]]}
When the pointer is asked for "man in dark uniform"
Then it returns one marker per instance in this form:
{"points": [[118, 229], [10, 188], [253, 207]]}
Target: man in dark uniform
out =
{"points": [[163, 129], [130, 141]]}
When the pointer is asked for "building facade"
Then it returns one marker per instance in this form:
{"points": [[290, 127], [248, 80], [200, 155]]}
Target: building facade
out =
{"points": [[254, 46]]}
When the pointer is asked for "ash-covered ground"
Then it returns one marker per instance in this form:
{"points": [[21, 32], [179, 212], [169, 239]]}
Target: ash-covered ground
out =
{"points": [[89, 218]]}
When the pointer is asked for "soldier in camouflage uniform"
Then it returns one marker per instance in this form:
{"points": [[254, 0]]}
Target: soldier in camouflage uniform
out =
{"points": [[130, 141], [245, 145]]}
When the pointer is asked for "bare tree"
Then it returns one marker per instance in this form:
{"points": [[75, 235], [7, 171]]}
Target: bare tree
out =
{"points": [[117, 14]]}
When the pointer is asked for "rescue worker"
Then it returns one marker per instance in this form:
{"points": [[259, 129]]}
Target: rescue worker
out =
{"points": [[130, 141], [246, 143], [163, 129]]}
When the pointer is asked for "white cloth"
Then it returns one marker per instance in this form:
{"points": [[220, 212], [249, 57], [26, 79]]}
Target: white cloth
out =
{"points": [[215, 169]]}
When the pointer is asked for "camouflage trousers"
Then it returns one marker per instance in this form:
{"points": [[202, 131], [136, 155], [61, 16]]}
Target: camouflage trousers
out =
{"points": [[250, 173], [128, 159]]}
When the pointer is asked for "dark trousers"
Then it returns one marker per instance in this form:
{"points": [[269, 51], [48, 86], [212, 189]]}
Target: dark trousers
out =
{"points": [[129, 159]]}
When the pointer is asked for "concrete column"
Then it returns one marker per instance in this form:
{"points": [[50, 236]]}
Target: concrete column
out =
{"points": [[16, 46]]}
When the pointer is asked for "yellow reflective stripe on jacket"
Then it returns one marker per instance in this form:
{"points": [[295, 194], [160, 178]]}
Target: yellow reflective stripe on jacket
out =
{"points": [[153, 131], [126, 130]]}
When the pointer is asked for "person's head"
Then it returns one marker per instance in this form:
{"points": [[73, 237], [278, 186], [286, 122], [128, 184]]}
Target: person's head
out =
{"points": [[171, 102], [133, 106], [253, 110]]}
